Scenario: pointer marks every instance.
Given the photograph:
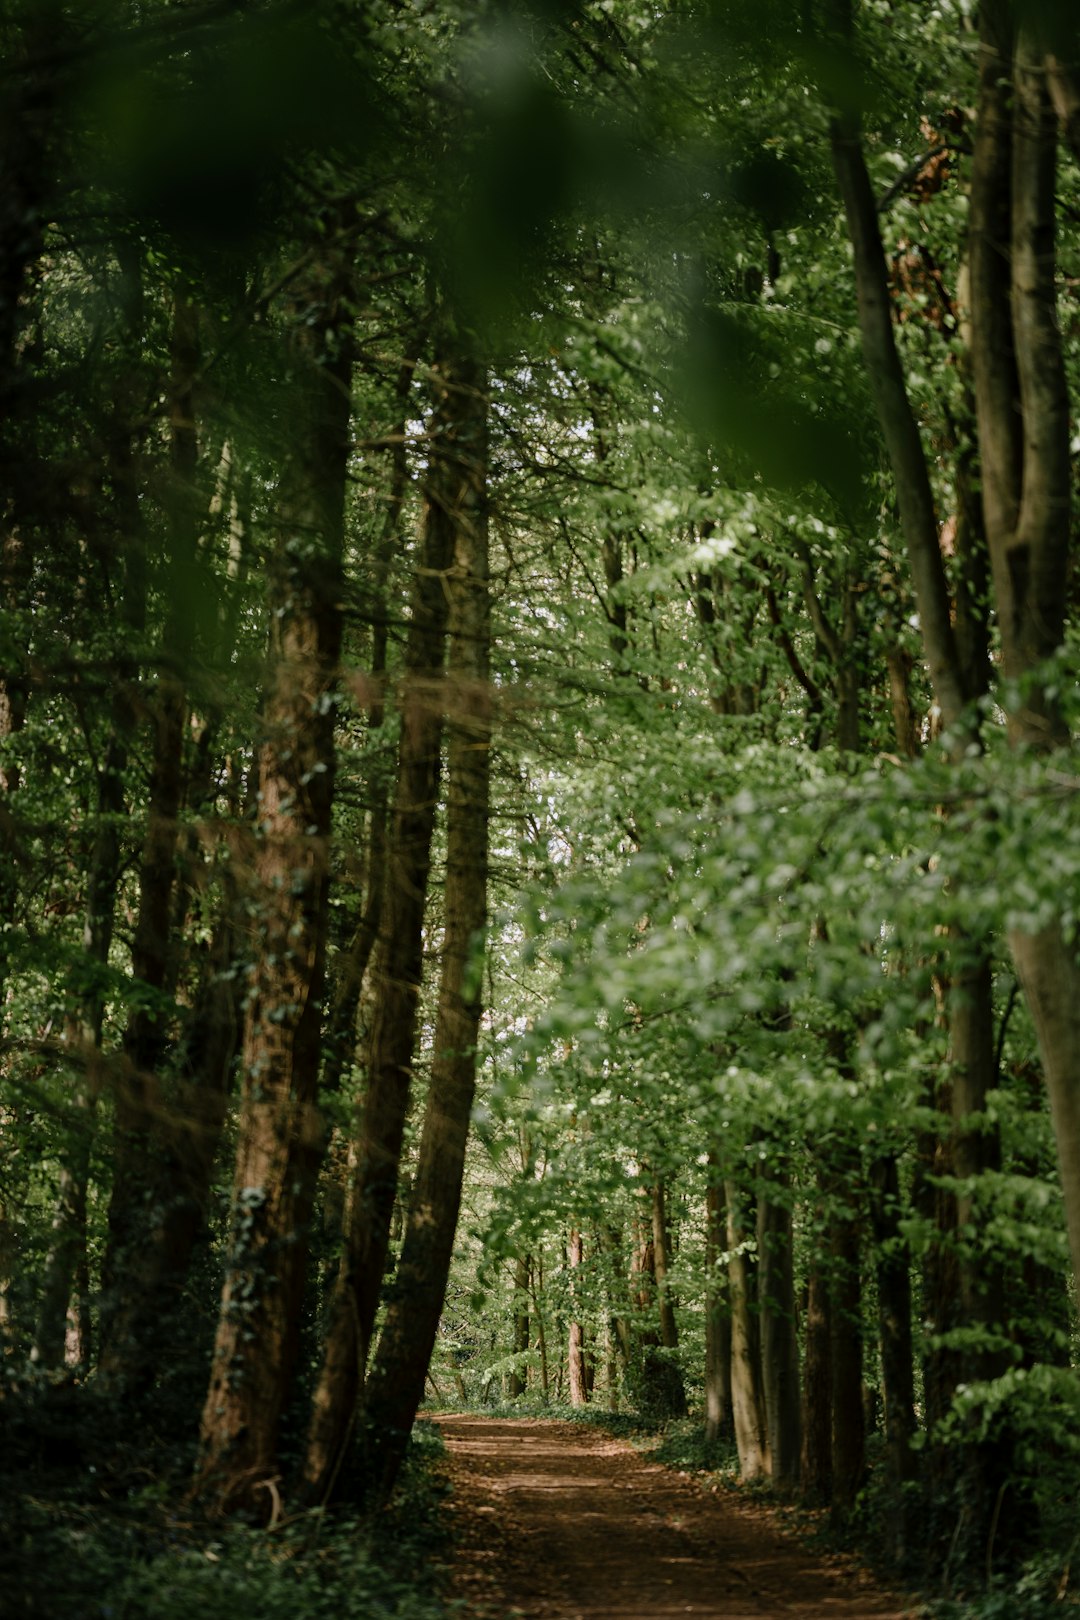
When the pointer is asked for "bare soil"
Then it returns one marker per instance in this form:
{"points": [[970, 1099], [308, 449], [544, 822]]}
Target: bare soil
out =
{"points": [[557, 1521]]}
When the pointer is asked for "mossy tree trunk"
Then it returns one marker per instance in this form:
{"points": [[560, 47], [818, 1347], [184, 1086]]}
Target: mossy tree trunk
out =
{"points": [[279, 1131]]}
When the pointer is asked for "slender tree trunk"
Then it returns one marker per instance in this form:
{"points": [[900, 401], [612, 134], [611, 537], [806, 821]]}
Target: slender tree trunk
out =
{"points": [[897, 1356], [13, 700], [1029, 554], [669, 1330], [846, 1330], [1022, 411], [139, 1263], [980, 1466], [817, 1413], [340, 1036], [918, 520], [894, 1326], [717, 1316], [14, 695], [83, 1024], [779, 1346], [279, 1134], [747, 1399], [536, 1290], [450, 498], [516, 1383], [578, 1384], [395, 1386]]}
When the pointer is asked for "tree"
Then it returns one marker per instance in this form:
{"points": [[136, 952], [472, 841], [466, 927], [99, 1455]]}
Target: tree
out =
{"points": [[279, 1138]]}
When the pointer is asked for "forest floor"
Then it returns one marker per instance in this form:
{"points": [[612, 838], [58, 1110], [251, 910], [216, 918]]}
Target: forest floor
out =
{"points": [[559, 1521]]}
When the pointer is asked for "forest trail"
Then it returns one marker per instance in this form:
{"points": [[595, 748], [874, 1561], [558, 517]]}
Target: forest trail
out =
{"points": [[558, 1521]]}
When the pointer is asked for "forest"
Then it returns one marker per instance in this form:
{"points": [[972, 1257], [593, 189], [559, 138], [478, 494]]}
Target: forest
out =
{"points": [[539, 811]]}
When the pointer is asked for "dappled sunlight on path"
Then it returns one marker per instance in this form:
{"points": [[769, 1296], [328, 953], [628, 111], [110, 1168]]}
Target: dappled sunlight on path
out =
{"points": [[562, 1522]]}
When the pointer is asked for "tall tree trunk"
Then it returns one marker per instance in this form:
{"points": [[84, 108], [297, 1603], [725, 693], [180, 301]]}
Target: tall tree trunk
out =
{"points": [[815, 1470], [577, 1381], [340, 1036], [14, 566], [1028, 531], [976, 1150], [139, 1261], [14, 694], [846, 1330], [779, 1346], [536, 1288], [395, 1386], [900, 429], [516, 1383], [1022, 412], [717, 1315], [279, 1133], [897, 1358], [83, 1023], [397, 970], [894, 1326], [669, 1330], [747, 1398], [609, 1241]]}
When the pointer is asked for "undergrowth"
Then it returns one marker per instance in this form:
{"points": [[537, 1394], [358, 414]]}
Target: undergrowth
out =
{"points": [[142, 1557]]}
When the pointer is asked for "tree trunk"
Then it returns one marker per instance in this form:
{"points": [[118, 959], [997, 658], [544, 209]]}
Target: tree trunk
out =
{"points": [[578, 1383], [397, 970], [83, 1024], [536, 1289], [894, 1321], [779, 1346], [669, 1330], [279, 1135], [845, 1320], [1030, 560], [900, 429], [340, 1035], [609, 1239], [516, 1383], [140, 1262], [717, 1317], [395, 1387], [817, 1413], [747, 1399], [14, 694]]}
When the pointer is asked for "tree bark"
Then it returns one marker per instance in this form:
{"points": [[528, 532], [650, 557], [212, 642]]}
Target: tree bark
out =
{"points": [[779, 1347], [717, 1317], [846, 1331], [747, 1399], [517, 1381], [451, 497], [577, 1381], [918, 520], [815, 1471], [669, 1328], [894, 1329], [395, 1386], [340, 1038], [140, 1261], [279, 1134], [14, 696]]}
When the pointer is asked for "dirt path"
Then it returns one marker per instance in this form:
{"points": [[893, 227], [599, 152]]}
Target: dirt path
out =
{"points": [[561, 1522]]}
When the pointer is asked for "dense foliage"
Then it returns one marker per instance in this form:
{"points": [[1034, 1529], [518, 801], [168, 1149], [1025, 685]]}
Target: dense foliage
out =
{"points": [[536, 592]]}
